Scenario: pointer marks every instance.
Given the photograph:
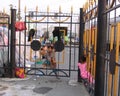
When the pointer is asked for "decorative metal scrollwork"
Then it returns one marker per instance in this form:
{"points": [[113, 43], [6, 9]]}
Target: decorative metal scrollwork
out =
{"points": [[96, 12], [36, 20], [60, 20], [108, 6], [92, 13]]}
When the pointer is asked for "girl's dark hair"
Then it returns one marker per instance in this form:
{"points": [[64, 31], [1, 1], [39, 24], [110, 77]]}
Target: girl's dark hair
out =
{"points": [[49, 46], [83, 58], [52, 47]]}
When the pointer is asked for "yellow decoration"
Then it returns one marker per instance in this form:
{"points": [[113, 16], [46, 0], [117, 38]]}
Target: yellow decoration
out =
{"points": [[59, 9], [36, 20], [110, 5], [86, 5], [36, 8], [91, 2], [25, 9], [3, 10], [83, 8], [59, 20], [48, 9], [71, 9]]}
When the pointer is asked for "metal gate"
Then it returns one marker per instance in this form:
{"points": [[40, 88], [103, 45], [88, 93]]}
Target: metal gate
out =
{"points": [[4, 44], [101, 44], [42, 24], [23, 50]]}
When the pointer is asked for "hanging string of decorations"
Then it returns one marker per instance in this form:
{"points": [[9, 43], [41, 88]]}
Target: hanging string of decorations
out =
{"points": [[30, 18], [60, 20], [3, 17]]}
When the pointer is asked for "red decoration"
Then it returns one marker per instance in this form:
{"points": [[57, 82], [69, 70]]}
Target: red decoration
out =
{"points": [[20, 26]]}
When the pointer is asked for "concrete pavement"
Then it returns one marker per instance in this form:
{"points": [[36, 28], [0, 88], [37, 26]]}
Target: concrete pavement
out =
{"points": [[41, 86]]}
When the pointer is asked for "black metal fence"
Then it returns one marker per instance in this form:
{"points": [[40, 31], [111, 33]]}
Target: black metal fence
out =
{"points": [[101, 44], [4, 44], [21, 50], [44, 23]]}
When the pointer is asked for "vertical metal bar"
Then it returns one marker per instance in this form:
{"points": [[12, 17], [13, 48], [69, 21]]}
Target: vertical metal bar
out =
{"points": [[58, 40], [31, 51], [29, 22], [47, 34], [89, 65], [25, 45], [119, 83], [84, 40], [101, 48], [107, 75], [12, 45], [95, 44], [93, 54], [19, 47], [19, 10], [81, 31], [35, 53], [8, 40], [71, 24], [110, 77], [75, 49], [116, 78], [19, 18]]}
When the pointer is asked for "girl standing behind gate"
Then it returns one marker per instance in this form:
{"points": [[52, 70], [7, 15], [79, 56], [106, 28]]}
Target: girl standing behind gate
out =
{"points": [[51, 56], [83, 69], [48, 57]]}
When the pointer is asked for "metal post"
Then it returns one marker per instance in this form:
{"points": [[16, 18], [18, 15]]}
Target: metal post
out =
{"points": [[19, 10], [81, 31], [12, 42], [101, 48]]}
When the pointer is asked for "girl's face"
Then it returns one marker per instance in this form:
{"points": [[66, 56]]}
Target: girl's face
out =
{"points": [[45, 48]]}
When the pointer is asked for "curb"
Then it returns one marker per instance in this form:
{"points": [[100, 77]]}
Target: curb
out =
{"points": [[15, 79]]}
